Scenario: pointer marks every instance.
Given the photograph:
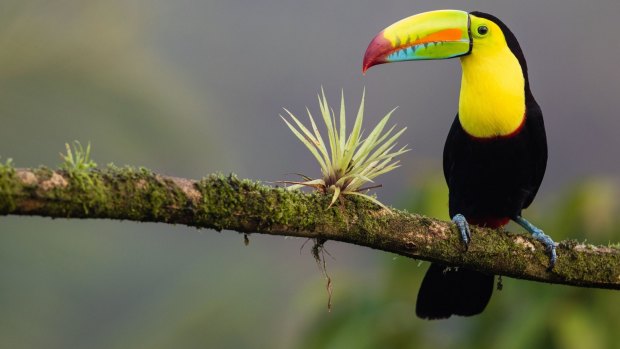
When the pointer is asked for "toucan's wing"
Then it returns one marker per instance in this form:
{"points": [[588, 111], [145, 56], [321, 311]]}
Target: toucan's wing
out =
{"points": [[538, 143]]}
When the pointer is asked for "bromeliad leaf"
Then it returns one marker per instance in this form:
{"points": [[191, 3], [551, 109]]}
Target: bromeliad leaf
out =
{"points": [[350, 162]]}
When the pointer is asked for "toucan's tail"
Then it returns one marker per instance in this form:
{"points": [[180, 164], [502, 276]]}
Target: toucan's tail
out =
{"points": [[445, 292]]}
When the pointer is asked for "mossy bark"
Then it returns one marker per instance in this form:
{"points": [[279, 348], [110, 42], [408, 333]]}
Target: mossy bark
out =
{"points": [[226, 202]]}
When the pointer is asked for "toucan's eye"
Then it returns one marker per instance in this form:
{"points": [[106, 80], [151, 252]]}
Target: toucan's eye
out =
{"points": [[483, 30]]}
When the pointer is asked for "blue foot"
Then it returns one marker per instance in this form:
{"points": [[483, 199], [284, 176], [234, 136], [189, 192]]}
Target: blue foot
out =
{"points": [[463, 226], [542, 237]]}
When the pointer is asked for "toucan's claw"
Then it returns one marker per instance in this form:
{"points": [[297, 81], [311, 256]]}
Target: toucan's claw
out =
{"points": [[463, 226], [550, 246], [539, 235]]}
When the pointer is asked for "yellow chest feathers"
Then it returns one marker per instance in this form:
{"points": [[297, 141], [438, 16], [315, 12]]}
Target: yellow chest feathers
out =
{"points": [[492, 100]]}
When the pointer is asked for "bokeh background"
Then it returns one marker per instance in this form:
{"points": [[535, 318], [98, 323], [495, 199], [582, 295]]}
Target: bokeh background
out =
{"points": [[192, 87]]}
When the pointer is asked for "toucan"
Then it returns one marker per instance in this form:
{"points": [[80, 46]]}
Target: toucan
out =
{"points": [[495, 154]]}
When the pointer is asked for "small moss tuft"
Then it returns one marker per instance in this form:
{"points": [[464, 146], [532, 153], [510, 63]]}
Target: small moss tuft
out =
{"points": [[77, 160], [570, 243], [7, 176], [84, 180]]}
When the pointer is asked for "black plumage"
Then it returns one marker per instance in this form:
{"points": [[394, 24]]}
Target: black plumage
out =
{"points": [[490, 181]]}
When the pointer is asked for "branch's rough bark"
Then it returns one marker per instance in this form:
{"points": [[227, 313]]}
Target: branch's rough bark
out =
{"points": [[225, 202]]}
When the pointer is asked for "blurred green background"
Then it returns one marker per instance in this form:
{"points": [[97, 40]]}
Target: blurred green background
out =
{"points": [[192, 87]]}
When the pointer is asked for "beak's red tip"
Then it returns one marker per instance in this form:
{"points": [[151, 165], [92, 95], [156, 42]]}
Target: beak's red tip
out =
{"points": [[376, 52]]}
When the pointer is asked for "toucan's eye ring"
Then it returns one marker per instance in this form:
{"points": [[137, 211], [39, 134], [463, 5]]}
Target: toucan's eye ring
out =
{"points": [[483, 30]]}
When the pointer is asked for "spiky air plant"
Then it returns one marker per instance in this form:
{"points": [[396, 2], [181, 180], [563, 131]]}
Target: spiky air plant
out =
{"points": [[352, 162]]}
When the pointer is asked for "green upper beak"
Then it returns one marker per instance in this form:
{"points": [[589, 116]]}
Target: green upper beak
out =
{"points": [[430, 35]]}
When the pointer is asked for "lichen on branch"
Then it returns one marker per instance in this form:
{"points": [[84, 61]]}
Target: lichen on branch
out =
{"points": [[227, 202]]}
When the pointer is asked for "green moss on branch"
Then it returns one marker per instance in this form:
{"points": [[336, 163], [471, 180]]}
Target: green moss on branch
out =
{"points": [[227, 202]]}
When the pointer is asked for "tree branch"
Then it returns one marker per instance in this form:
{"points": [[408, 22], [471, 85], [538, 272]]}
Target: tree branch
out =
{"points": [[225, 202]]}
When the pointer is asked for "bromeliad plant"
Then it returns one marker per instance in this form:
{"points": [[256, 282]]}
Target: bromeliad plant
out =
{"points": [[351, 163]]}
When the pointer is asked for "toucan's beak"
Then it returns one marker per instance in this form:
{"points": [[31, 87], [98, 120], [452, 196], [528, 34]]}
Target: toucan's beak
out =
{"points": [[430, 35]]}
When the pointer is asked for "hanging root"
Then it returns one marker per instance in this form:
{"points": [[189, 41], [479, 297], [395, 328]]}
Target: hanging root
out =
{"points": [[246, 239], [318, 252]]}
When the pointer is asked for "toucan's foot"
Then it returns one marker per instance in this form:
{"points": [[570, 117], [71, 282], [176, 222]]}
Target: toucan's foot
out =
{"points": [[539, 235], [463, 226]]}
